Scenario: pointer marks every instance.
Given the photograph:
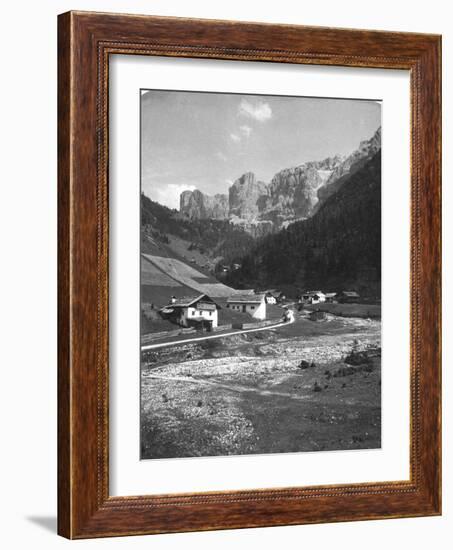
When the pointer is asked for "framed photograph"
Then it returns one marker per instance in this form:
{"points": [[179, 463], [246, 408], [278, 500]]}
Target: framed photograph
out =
{"points": [[249, 275]]}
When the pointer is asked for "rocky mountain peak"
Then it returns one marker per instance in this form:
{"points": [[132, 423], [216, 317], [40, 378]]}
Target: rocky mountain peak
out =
{"points": [[197, 205], [244, 196], [293, 193], [353, 162]]}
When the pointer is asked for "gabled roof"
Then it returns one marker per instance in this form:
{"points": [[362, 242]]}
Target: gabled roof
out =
{"points": [[313, 293], [187, 301], [330, 294], [274, 292], [351, 293], [246, 299]]}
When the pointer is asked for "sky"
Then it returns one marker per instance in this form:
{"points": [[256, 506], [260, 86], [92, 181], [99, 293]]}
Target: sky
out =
{"points": [[205, 141]]}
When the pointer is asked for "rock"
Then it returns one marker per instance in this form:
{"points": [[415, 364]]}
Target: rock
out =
{"points": [[317, 387], [358, 358], [317, 316], [197, 205], [245, 195], [349, 370], [256, 228], [293, 194], [367, 149]]}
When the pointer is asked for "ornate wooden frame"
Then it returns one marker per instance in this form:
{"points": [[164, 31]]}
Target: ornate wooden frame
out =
{"points": [[85, 41]]}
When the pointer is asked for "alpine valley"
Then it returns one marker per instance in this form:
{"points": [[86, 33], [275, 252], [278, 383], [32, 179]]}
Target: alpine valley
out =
{"points": [[317, 224]]}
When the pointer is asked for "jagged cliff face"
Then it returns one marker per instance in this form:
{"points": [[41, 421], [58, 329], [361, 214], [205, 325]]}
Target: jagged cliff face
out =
{"points": [[367, 149], [197, 205], [245, 196], [256, 228], [293, 194]]}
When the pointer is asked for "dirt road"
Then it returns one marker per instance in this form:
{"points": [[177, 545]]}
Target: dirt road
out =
{"points": [[211, 337]]}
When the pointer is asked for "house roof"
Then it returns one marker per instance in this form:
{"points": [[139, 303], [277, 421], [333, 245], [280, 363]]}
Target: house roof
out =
{"points": [[330, 294], [246, 299], [274, 292], [187, 301], [351, 293], [313, 293]]}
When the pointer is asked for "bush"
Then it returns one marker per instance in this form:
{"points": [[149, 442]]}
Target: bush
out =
{"points": [[358, 358], [306, 365]]}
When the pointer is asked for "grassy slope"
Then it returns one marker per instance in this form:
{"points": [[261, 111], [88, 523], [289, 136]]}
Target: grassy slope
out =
{"points": [[205, 240], [372, 311]]}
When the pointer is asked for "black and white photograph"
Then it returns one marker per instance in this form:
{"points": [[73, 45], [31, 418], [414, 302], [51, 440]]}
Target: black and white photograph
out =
{"points": [[228, 222], [260, 274]]}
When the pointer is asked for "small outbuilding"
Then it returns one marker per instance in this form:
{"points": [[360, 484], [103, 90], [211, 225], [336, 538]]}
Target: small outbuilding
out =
{"points": [[348, 297], [253, 304]]}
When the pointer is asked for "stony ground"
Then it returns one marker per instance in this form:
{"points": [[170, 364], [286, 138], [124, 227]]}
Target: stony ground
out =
{"points": [[309, 386]]}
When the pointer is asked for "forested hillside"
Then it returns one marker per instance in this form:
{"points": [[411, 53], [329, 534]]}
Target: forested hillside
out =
{"points": [[217, 238], [338, 248]]}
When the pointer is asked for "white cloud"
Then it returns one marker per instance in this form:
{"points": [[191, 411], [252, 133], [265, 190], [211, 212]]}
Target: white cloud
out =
{"points": [[169, 194], [246, 130], [258, 110], [221, 156], [243, 132]]}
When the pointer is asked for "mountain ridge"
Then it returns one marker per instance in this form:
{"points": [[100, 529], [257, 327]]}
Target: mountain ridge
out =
{"points": [[338, 248], [293, 194]]}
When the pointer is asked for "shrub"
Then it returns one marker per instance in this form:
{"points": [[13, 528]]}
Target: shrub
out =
{"points": [[317, 387], [358, 358]]}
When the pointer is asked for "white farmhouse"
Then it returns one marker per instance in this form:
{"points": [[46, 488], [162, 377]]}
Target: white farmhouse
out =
{"points": [[274, 296], [191, 311], [313, 297], [270, 296], [254, 305]]}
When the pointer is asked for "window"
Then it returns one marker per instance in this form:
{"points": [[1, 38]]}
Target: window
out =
{"points": [[252, 307]]}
